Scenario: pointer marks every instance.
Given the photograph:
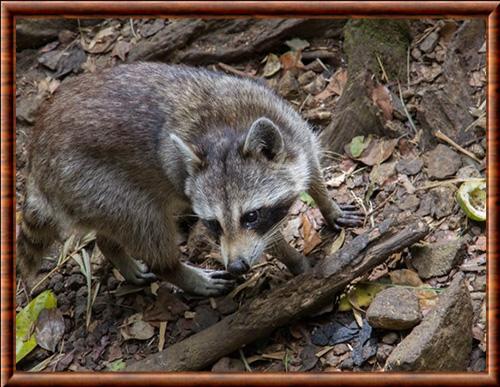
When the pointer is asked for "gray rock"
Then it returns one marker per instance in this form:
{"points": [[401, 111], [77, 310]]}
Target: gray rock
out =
{"points": [[437, 259], [394, 308], [409, 167], [411, 202], [390, 338], [340, 349], [443, 341], [467, 172], [442, 162], [383, 352], [438, 202], [27, 108], [227, 364], [430, 42], [478, 150]]}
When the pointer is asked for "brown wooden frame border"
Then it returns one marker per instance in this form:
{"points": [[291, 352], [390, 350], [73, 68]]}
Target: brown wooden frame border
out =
{"points": [[12, 9]]}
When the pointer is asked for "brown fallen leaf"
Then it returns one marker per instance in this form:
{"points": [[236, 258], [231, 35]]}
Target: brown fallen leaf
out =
{"points": [[101, 42], [272, 66], [49, 329], [377, 151], [335, 86], [167, 307], [381, 97], [311, 236], [134, 327], [121, 49], [291, 60]]}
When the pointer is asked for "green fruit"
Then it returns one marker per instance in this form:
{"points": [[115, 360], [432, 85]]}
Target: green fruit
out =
{"points": [[471, 196]]}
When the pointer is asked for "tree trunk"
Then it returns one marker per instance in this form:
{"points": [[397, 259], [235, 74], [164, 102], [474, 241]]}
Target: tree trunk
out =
{"points": [[364, 41]]}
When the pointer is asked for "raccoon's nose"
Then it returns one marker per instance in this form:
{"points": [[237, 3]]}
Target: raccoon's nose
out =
{"points": [[238, 267]]}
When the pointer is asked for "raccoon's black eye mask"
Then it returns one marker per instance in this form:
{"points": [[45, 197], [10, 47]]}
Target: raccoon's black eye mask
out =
{"points": [[213, 226], [263, 219]]}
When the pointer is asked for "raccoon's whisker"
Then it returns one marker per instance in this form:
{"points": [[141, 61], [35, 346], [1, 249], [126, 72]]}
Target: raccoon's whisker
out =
{"points": [[273, 234]]}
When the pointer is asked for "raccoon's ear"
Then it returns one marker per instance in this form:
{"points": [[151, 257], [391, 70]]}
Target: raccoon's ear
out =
{"points": [[191, 160], [264, 138]]}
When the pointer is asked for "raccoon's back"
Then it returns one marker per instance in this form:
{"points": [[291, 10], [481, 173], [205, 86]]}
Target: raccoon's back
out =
{"points": [[127, 110]]}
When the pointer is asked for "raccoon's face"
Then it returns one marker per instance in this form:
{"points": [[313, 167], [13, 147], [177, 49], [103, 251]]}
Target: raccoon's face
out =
{"points": [[242, 186]]}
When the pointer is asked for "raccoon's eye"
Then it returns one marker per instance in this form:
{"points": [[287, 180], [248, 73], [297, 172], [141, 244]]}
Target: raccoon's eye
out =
{"points": [[250, 219], [213, 226]]}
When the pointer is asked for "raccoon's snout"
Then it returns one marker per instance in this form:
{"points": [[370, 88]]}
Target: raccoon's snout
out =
{"points": [[238, 267]]}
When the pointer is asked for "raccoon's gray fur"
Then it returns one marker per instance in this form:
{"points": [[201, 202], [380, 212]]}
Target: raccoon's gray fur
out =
{"points": [[130, 150]]}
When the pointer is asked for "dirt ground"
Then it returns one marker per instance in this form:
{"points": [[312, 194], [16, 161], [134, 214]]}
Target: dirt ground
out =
{"points": [[394, 177]]}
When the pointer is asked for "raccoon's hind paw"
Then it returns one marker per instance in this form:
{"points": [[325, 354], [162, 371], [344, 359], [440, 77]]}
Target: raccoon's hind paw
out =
{"points": [[351, 217], [137, 273]]}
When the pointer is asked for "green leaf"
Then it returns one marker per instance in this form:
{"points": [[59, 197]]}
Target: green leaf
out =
{"points": [[26, 320], [116, 365], [358, 145], [306, 198], [360, 296], [471, 196]]}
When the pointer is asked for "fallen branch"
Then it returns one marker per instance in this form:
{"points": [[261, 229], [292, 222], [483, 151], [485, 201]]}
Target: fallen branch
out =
{"points": [[297, 298]]}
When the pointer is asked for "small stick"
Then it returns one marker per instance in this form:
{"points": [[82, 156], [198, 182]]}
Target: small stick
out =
{"points": [[451, 181], [382, 67], [384, 202], [445, 138], [410, 120], [235, 71], [408, 68], [245, 362], [132, 28]]}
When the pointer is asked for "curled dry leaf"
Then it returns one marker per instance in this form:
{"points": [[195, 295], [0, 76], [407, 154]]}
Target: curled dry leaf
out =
{"points": [[291, 60], [272, 66], [49, 329], [101, 42], [134, 327], [121, 49], [311, 236], [335, 86], [48, 85]]}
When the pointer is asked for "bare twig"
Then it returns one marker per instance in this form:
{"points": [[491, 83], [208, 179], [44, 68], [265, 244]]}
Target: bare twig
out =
{"points": [[410, 120], [445, 182], [384, 74], [245, 362], [445, 138]]}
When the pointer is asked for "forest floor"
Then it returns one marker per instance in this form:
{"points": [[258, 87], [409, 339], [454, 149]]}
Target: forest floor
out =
{"points": [[392, 177]]}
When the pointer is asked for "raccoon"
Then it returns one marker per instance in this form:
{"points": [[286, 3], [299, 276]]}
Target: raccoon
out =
{"points": [[130, 151]]}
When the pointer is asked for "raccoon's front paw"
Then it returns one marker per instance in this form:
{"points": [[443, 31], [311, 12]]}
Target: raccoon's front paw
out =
{"points": [[351, 217], [213, 283]]}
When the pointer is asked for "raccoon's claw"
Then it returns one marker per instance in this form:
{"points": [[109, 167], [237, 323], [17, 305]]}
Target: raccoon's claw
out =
{"points": [[351, 217], [221, 274], [136, 273], [216, 283]]}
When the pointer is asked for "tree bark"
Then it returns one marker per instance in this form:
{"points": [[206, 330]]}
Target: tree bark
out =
{"points": [[297, 298], [209, 41], [364, 41]]}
